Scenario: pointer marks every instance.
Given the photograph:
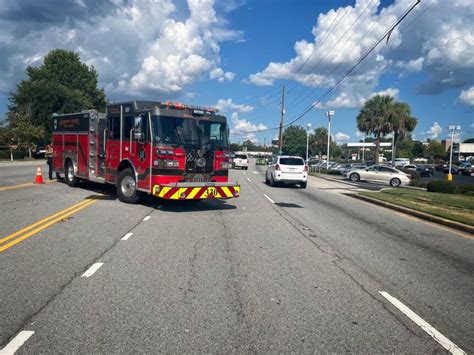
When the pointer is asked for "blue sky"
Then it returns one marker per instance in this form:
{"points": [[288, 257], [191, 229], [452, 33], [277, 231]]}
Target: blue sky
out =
{"points": [[237, 54]]}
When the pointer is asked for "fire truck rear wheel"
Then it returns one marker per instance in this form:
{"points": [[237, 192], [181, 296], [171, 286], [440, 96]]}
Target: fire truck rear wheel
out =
{"points": [[69, 176], [127, 189]]}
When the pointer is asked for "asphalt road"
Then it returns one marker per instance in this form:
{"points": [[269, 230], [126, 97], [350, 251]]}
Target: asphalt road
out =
{"points": [[276, 270]]}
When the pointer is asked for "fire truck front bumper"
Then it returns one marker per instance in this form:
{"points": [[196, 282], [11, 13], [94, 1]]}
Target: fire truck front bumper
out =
{"points": [[197, 191]]}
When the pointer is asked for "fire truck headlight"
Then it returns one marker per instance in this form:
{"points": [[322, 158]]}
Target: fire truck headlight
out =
{"points": [[226, 165]]}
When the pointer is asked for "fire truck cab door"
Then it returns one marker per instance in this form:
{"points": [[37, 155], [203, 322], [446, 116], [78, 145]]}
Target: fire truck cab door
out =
{"points": [[141, 150]]}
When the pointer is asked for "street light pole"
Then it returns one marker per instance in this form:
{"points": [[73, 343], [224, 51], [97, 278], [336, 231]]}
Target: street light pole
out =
{"points": [[328, 114], [452, 129], [307, 142]]}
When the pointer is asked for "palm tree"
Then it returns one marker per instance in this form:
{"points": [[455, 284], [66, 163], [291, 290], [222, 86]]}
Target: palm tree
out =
{"points": [[400, 123], [373, 119]]}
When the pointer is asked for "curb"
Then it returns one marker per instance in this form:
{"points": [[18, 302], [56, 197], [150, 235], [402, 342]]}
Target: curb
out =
{"points": [[428, 217]]}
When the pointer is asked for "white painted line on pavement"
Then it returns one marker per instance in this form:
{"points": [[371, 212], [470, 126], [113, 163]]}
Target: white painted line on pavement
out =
{"points": [[249, 179], [146, 218], [126, 236], [16, 342], [245, 173], [437, 336], [268, 198], [255, 172], [92, 270]]}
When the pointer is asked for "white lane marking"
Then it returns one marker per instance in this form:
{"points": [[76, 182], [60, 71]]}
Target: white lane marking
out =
{"points": [[245, 173], [146, 218], [92, 270], [126, 236], [268, 198], [249, 179], [437, 336], [17, 342], [255, 172]]}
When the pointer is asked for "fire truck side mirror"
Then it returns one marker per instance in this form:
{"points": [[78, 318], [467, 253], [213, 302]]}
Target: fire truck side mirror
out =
{"points": [[137, 131]]}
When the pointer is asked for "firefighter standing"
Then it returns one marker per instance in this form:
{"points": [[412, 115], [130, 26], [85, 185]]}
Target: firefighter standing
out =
{"points": [[49, 158]]}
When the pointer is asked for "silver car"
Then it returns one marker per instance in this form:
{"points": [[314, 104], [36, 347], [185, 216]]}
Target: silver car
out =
{"points": [[378, 173]]}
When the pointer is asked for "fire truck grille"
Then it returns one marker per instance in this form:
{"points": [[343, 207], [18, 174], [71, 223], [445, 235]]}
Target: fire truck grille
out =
{"points": [[199, 162]]}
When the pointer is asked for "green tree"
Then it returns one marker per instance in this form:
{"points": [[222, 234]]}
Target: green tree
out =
{"points": [[62, 84], [401, 123], [294, 141], [435, 150], [418, 150], [318, 141], [22, 132], [373, 119]]}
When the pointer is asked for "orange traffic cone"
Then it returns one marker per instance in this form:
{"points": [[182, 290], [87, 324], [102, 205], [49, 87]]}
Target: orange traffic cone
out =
{"points": [[39, 176]]}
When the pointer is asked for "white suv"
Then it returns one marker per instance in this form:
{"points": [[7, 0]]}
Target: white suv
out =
{"points": [[287, 169], [241, 161]]}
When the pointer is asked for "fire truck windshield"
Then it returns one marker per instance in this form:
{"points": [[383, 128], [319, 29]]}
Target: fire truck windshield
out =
{"points": [[189, 131]]}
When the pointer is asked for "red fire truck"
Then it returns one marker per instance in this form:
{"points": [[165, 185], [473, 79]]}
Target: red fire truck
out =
{"points": [[170, 150]]}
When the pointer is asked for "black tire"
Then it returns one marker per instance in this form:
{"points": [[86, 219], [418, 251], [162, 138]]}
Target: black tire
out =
{"points": [[354, 177], [272, 182], [127, 187], [266, 180], [69, 176], [303, 185], [395, 182]]}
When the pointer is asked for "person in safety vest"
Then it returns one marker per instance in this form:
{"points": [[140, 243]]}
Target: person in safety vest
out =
{"points": [[49, 158]]}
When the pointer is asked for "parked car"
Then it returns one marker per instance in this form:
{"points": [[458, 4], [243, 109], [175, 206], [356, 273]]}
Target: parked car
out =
{"points": [[379, 173], [241, 161], [425, 170], [410, 167], [399, 162], [40, 152], [458, 168], [288, 170], [468, 171]]}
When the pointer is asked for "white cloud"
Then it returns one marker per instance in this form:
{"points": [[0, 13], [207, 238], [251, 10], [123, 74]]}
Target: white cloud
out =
{"points": [[162, 45], [440, 42], [467, 96], [434, 131], [240, 125], [221, 76], [224, 105], [389, 91], [341, 137]]}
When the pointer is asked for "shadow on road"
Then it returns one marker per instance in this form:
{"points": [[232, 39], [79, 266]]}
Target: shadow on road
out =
{"points": [[109, 192]]}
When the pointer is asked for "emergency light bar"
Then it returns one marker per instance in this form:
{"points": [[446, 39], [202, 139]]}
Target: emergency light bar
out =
{"points": [[181, 106]]}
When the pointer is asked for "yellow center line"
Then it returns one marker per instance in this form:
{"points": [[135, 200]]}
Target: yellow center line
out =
{"points": [[13, 235], [28, 184], [44, 226]]}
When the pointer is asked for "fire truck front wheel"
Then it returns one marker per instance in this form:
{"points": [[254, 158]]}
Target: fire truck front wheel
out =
{"points": [[71, 179], [127, 189]]}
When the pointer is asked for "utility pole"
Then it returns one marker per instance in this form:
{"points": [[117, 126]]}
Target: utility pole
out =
{"points": [[329, 114], [280, 135]]}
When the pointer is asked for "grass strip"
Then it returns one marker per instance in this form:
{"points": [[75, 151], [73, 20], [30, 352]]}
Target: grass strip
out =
{"points": [[459, 208]]}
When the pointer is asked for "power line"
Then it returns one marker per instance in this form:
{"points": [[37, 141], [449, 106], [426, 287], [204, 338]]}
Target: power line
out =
{"points": [[330, 90]]}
